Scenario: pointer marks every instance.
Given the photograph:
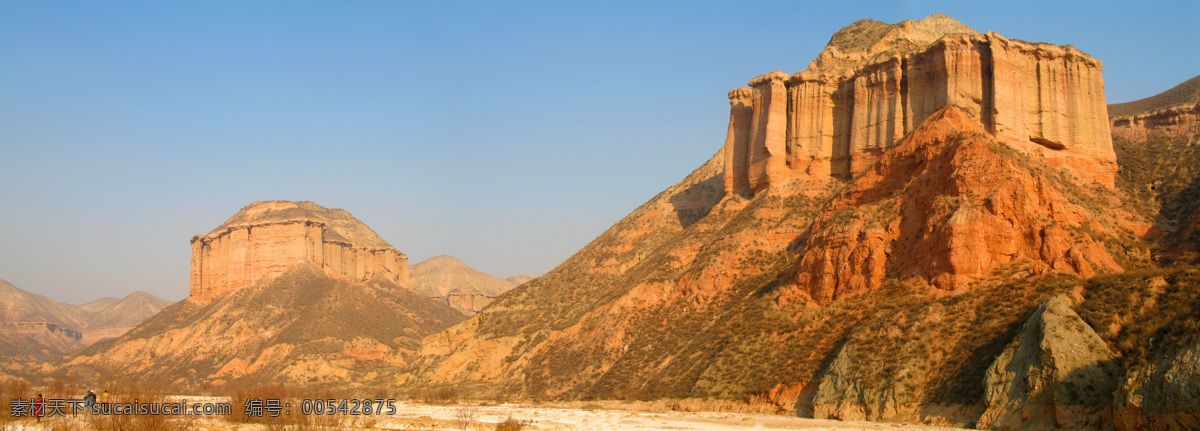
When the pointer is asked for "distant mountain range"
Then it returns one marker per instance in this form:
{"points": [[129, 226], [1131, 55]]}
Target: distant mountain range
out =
{"points": [[35, 328], [450, 281]]}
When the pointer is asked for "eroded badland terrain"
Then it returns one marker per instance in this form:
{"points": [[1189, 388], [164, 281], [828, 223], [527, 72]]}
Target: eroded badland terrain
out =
{"points": [[928, 225]]}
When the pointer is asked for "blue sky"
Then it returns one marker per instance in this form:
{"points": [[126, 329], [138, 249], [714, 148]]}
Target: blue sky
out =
{"points": [[505, 134]]}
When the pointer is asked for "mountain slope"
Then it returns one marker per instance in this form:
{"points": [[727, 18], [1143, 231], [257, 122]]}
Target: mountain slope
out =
{"points": [[304, 326], [128, 311], [34, 328], [699, 295], [38, 329], [119, 316], [99, 304], [1156, 141], [441, 275], [1187, 92]]}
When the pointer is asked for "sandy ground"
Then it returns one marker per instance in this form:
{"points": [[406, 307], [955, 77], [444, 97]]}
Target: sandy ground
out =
{"points": [[551, 418], [416, 416]]}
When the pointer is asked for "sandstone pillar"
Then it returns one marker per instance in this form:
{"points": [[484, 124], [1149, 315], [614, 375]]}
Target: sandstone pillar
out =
{"points": [[878, 113], [768, 158], [737, 141], [196, 285], [816, 119]]}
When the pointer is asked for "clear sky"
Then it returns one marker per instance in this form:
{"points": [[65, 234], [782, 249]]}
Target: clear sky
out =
{"points": [[507, 134]]}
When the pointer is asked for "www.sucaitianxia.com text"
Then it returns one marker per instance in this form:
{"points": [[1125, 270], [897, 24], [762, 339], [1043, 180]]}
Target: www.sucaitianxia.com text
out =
{"points": [[73, 407]]}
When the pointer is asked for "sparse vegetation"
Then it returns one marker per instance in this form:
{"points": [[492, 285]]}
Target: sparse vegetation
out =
{"points": [[1187, 92], [511, 424], [464, 415]]}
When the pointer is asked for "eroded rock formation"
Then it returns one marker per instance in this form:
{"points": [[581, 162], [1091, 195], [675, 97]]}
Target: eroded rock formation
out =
{"points": [[874, 83], [1057, 374], [947, 207], [304, 326], [1174, 121], [265, 239]]}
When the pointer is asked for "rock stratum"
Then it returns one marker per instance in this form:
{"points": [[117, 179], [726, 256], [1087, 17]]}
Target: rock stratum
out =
{"points": [[265, 239], [450, 281], [926, 225]]}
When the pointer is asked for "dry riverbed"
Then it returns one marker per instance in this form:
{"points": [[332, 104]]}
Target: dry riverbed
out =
{"points": [[419, 416]]}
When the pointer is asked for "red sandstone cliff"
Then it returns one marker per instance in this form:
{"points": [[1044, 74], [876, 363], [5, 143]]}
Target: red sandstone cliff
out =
{"points": [[874, 83], [265, 239], [946, 207], [868, 241]]}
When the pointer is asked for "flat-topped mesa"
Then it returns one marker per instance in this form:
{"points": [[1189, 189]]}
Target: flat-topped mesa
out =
{"points": [[876, 82], [265, 239]]}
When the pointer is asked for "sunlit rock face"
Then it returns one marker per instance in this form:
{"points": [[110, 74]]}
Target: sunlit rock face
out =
{"points": [[874, 83], [265, 239]]}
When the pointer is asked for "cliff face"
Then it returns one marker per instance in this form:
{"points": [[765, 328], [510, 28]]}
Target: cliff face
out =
{"points": [[860, 96], [946, 207], [265, 239]]}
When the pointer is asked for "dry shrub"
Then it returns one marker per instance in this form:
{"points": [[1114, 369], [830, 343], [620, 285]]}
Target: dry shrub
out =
{"points": [[11, 389], [511, 424], [464, 415], [149, 394], [442, 395]]}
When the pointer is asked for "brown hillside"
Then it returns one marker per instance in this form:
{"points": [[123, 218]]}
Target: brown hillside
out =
{"points": [[1158, 148], [128, 311], [713, 308], [302, 327], [441, 275], [34, 328]]}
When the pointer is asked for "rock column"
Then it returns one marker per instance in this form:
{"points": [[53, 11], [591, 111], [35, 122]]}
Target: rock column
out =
{"points": [[768, 158], [737, 141]]}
